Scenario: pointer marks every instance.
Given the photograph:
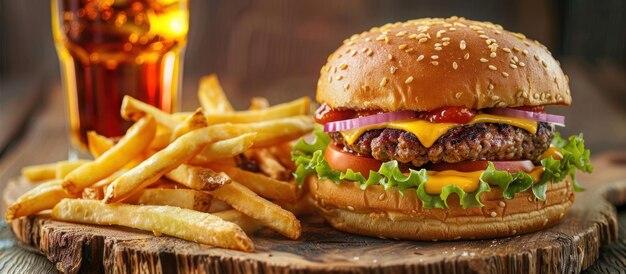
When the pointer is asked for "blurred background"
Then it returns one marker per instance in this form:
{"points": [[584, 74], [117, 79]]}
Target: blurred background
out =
{"points": [[275, 48]]}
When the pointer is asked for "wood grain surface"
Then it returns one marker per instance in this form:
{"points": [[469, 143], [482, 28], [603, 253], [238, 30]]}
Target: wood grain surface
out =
{"points": [[570, 247]]}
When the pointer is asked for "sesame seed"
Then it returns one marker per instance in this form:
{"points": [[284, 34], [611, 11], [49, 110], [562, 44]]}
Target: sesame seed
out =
{"points": [[368, 39], [393, 69], [493, 214], [516, 49], [501, 104], [492, 67], [390, 56], [483, 36], [437, 45], [346, 86], [383, 82], [435, 63], [488, 41], [420, 58], [466, 56], [519, 94], [515, 59], [455, 65], [330, 79], [370, 52], [458, 95], [501, 204], [445, 43], [527, 43], [506, 50], [536, 95], [363, 50], [445, 39], [505, 74], [402, 33], [343, 66], [545, 221], [452, 29], [492, 55], [381, 196], [481, 32], [484, 60], [409, 80], [513, 66], [351, 208], [525, 52], [544, 64], [353, 53], [438, 48], [339, 77], [403, 46], [462, 45], [434, 57], [334, 69], [521, 64], [423, 40], [439, 33], [536, 57], [413, 36], [495, 97]]}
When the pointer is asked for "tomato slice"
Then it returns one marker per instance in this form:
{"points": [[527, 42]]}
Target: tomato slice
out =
{"points": [[342, 161], [468, 166]]}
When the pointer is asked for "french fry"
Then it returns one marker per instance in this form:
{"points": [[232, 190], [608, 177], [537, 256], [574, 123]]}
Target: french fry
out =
{"points": [[282, 153], [197, 177], [301, 207], [182, 223], [265, 186], [161, 138], [133, 110], [257, 103], [183, 198], [98, 144], [212, 97], [42, 197], [269, 165], [65, 167], [274, 132], [266, 212], [249, 225], [294, 108], [217, 206], [136, 140], [93, 193], [39, 173], [224, 149], [193, 121], [162, 162]]}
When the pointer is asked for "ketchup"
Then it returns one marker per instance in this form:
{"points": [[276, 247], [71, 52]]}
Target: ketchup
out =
{"points": [[459, 115]]}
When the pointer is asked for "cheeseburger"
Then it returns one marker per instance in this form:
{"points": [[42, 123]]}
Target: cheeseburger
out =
{"points": [[435, 129]]}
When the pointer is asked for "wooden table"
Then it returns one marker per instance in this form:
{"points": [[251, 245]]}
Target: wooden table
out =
{"points": [[45, 140]]}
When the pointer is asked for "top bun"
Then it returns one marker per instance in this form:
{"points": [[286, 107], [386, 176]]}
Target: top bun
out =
{"points": [[429, 63]]}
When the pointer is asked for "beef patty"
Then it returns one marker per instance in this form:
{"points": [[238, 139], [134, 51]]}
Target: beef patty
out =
{"points": [[481, 141]]}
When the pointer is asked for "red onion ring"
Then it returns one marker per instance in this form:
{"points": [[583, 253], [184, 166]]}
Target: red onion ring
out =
{"points": [[369, 120], [530, 115]]}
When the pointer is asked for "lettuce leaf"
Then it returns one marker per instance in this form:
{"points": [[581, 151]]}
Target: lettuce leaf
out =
{"points": [[309, 159], [575, 157]]}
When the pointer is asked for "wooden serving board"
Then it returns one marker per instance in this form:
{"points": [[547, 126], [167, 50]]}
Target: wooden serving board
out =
{"points": [[569, 247]]}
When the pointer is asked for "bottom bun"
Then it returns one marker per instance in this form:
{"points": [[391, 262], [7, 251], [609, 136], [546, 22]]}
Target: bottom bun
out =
{"points": [[388, 214]]}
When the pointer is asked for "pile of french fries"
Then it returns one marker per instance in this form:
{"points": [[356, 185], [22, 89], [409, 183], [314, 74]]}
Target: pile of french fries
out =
{"points": [[180, 174]]}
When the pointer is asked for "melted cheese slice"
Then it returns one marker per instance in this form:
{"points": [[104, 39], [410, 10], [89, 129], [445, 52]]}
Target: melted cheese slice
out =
{"points": [[468, 181], [427, 133]]}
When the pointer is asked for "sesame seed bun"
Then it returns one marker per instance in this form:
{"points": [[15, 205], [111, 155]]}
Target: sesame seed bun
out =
{"points": [[387, 214], [429, 63]]}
